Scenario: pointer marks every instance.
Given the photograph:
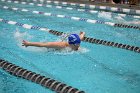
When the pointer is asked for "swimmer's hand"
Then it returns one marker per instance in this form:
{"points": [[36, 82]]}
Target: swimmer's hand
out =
{"points": [[25, 43], [82, 32]]}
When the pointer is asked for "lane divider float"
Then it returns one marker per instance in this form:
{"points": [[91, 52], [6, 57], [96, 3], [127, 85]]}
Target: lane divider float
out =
{"points": [[86, 39], [74, 18], [52, 84], [104, 42], [87, 6], [71, 8]]}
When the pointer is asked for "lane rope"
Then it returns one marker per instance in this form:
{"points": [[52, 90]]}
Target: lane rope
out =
{"points": [[86, 39], [70, 8], [88, 6], [8, 51], [52, 84], [74, 18]]}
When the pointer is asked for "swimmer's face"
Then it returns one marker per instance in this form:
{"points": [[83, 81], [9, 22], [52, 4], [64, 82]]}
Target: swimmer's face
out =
{"points": [[75, 46]]}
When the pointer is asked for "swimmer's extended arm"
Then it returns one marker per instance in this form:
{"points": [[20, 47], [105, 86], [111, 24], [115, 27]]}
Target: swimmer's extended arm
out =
{"points": [[48, 44]]}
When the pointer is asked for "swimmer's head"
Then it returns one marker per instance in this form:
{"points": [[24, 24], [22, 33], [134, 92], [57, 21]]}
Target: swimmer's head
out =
{"points": [[74, 39]]}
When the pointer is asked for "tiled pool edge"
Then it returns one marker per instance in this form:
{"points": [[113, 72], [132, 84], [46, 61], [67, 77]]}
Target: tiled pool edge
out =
{"points": [[52, 84]]}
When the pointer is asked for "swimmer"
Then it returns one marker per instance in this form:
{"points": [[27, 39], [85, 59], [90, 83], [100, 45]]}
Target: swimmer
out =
{"points": [[74, 41]]}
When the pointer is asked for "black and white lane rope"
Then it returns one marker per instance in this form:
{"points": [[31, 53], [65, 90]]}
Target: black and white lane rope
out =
{"points": [[73, 18], [104, 42], [72, 8], [105, 8], [86, 39], [52, 84]]}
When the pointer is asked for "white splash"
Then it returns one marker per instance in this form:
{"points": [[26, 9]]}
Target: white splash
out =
{"points": [[19, 37], [83, 50], [120, 18], [136, 22], [105, 15], [69, 51]]}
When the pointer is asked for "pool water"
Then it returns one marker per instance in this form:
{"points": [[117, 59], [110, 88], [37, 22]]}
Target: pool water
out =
{"points": [[94, 68]]}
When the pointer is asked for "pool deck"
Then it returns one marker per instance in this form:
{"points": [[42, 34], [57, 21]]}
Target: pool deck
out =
{"points": [[137, 7]]}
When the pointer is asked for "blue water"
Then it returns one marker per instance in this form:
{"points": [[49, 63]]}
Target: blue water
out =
{"points": [[94, 68]]}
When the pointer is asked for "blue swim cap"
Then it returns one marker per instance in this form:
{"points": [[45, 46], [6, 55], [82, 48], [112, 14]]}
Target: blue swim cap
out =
{"points": [[74, 39]]}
